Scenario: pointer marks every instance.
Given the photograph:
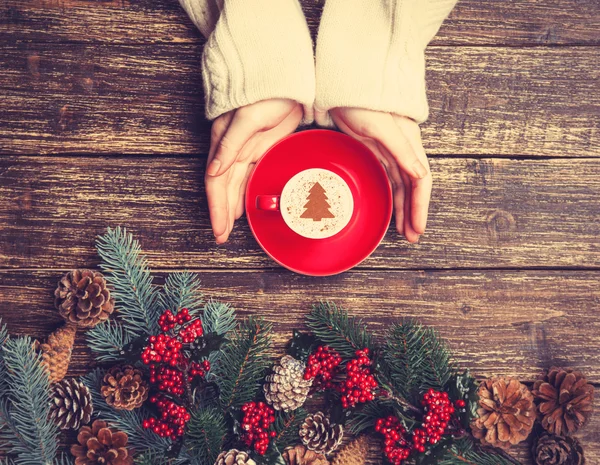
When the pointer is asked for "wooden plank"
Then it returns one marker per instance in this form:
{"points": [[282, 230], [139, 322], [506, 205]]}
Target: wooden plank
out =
{"points": [[123, 99], [496, 322], [519, 22], [512, 323], [485, 213]]}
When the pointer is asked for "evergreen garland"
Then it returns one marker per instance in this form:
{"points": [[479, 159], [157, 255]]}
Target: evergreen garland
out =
{"points": [[182, 290], [207, 431], [108, 339]]}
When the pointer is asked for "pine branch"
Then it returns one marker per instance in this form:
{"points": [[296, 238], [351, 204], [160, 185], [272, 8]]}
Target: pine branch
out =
{"points": [[64, 459], [415, 359], [107, 340], [30, 434], [243, 363], [365, 418], [206, 434], [127, 270], [218, 318], [130, 422], [287, 426], [182, 290], [335, 328], [465, 452]]}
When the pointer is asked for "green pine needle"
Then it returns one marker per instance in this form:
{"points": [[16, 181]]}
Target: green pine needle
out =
{"points": [[127, 270], [107, 340], [335, 328], [243, 363], [218, 318], [466, 452], [25, 407], [287, 426], [206, 434], [416, 360], [182, 290]]}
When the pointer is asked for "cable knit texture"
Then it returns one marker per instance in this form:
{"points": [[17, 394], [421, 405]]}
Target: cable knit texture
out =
{"points": [[370, 54], [256, 50]]}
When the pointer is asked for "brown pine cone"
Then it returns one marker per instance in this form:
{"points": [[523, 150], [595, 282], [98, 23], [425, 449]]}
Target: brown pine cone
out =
{"points": [[565, 400], [124, 388], [354, 453], [286, 389], [318, 434], [557, 450], [234, 457], [83, 299], [506, 412], [71, 404], [56, 353], [300, 455], [101, 445]]}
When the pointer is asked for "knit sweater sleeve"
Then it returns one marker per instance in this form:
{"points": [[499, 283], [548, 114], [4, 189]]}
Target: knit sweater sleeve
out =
{"points": [[370, 54], [256, 50]]}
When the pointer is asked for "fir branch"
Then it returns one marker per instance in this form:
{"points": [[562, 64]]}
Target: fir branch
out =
{"points": [[243, 363], [335, 328], [416, 360], [218, 318], [365, 418], [32, 437], [107, 340], [182, 290], [465, 451], [127, 271], [287, 426], [130, 422], [206, 434], [64, 459]]}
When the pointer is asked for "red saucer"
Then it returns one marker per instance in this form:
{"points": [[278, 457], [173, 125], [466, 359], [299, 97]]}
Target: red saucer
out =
{"points": [[367, 180]]}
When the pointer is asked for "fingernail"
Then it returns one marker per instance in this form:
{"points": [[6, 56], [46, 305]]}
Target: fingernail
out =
{"points": [[213, 168], [419, 169]]}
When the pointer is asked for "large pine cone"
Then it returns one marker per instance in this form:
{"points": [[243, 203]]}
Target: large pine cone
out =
{"points": [[286, 389], [234, 457], [506, 412], [300, 455], [354, 453], [70, 404], [557, 450], [124, 388], [101, 445], [318, 434], [83, 299], [565, 400], [56, 353]]}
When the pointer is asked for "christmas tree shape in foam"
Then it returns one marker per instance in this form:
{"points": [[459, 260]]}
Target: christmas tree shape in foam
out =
{"points": [[316, 206]]}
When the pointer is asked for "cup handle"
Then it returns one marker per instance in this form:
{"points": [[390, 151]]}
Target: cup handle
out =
{"points": [[267, 202]]}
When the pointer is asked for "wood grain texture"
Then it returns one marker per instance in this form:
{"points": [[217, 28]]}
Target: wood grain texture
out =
{"points": [[473, 22], [78, 98], [484, 213]]}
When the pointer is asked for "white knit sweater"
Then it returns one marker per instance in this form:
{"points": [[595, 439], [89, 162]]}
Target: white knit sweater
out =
{"points": [[370, 54]]}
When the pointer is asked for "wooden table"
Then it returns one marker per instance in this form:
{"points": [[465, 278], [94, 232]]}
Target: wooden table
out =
{"points": [[101, 124]]}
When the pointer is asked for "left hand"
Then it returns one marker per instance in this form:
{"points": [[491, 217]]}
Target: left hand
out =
{"points": [[396, 141]]}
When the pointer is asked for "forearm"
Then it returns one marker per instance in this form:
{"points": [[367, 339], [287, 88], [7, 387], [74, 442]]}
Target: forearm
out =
{"points": [[370, 54]]}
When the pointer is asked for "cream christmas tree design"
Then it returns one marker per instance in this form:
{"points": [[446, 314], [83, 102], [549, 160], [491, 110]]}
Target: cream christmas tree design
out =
{"points": [[317, 206]]}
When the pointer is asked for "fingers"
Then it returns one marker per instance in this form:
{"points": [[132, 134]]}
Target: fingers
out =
{"points": [[411, 235], [216, 193]]}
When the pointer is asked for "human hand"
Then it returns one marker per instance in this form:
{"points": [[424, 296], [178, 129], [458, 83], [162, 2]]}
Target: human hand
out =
{"points": [[396, 141], [239, 138]]}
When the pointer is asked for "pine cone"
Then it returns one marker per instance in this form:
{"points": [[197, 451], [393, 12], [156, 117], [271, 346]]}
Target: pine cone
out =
{"points": [[354, 453], [286, 389], [557, 450], [318, 434], [300, 455], [101, 445], [506, 412], [56, 353], [124, 388], [83, 299], [565, 400], [234, 457], [71, 404]]}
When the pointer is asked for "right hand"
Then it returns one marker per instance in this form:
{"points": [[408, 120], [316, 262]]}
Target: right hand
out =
{"points": [[239, 138]]}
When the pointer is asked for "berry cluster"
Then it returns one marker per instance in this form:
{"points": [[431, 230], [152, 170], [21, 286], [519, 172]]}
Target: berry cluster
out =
{"points": [[438, 411], [256, 423], [396, 447], [172, 371], [360, 384], [172, 418], [322, 365]]}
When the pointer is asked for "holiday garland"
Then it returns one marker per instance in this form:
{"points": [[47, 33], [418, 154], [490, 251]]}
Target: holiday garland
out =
{"points": [[184, 381]]}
